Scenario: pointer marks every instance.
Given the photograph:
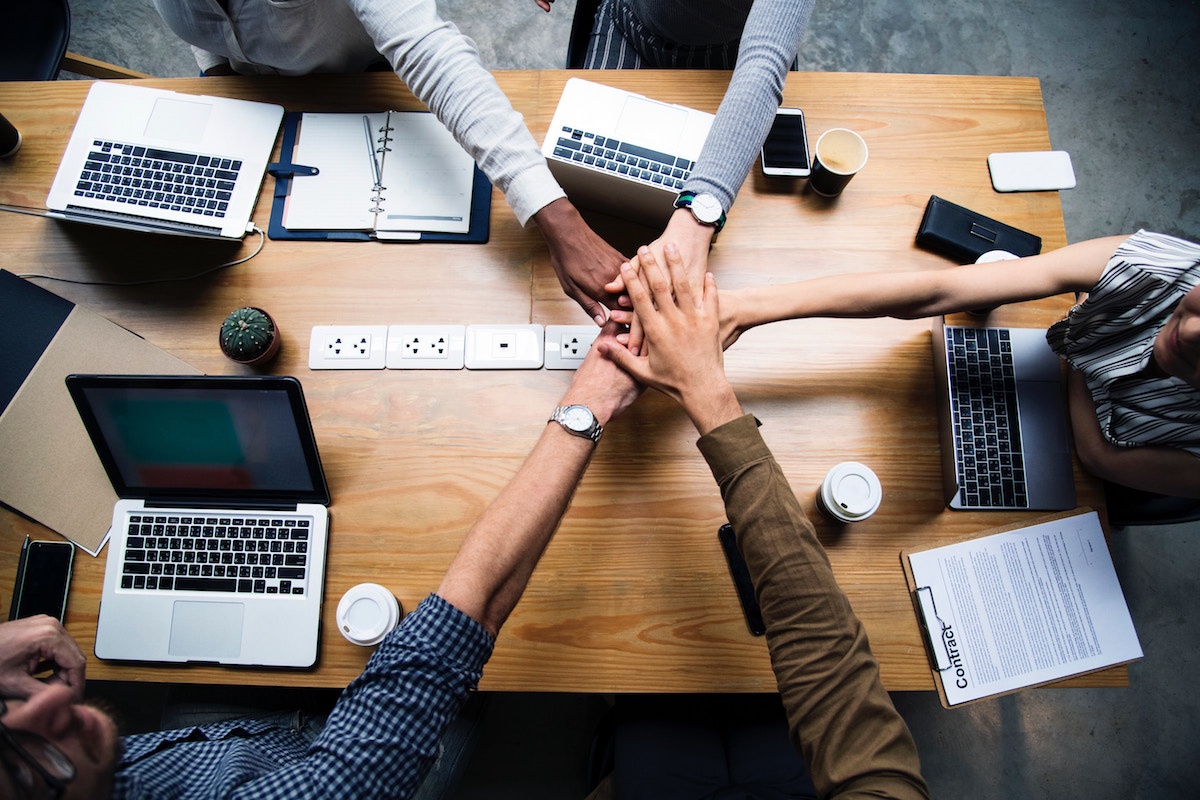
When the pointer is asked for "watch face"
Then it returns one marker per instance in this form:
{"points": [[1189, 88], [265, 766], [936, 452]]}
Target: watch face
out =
{"points": [[577, 418], [706, 208]]}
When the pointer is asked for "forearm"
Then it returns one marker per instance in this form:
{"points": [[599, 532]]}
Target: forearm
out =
{"points": [[499, 553], [839, 715], [1163, 470], [768, 46], [443, 69]]}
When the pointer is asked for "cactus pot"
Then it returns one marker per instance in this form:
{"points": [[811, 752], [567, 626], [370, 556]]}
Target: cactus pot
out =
{"points": [[249, 336]]}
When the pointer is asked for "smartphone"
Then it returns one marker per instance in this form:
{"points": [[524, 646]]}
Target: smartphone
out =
{"points": [[741, 580], [785, 151], [43, 577], [1038, 171]]}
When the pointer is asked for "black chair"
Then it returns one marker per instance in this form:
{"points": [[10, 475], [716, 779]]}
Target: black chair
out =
{"points": [[1128, 506], [33, 45], [581, 29]]}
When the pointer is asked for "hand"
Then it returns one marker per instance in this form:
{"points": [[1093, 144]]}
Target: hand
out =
{"points": [[682, 357], [693, 240], [29, 647], [600, 384], [583, 261], [544, 5]]}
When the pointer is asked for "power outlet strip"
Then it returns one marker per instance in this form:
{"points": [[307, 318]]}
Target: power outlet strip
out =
{"points": [[566, 345], [426, 346], [504, 346], [347, 347]]}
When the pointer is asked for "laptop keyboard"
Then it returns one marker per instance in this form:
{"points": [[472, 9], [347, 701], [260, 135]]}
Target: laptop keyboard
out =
{"points": [[219, 553], [621, 158], [983, 411], [152, 178]]}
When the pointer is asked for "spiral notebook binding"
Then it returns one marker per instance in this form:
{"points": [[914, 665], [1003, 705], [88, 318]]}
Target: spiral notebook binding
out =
{"points": [[382, 141]]}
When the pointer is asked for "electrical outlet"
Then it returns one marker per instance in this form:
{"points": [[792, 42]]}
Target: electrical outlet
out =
{"points": [[504, 346], [347, 347], [566, 345], [426, 346]]}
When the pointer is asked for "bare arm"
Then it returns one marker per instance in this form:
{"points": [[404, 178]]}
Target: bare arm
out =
{"points": [[499, 553], [1165, 470], [926, 293]]}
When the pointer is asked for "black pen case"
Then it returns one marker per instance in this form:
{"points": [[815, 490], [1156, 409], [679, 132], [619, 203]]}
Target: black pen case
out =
{"points": [[964, 235]]}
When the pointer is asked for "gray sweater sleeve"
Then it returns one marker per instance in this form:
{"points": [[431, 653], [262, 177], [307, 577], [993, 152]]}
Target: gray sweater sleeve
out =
{"points": [[769, 44]]}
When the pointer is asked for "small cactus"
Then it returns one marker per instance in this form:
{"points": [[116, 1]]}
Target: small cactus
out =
{"points": [[249, 336]]}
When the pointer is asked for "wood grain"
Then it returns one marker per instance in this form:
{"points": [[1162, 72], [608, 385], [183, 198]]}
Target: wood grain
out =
{"points": [[633, 594]]}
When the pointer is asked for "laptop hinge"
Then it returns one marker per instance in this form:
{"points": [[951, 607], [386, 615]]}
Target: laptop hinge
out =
{"points": [[233, 505]]}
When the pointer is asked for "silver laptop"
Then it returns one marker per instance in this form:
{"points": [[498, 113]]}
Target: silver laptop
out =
{"points": [[154, 160], [218, 539], [1002, 414], [622, 153]]}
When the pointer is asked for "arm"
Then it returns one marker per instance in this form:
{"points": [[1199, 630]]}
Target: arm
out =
{"points": [[840, 717], [926, 293], [1164, 470], [383, 735], [490, 572], [770, 38], [443, 69], [34, 645]]}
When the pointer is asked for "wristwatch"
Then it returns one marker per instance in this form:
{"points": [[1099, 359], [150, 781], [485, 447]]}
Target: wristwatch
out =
{"points": [[704, 207], [578, 421]]}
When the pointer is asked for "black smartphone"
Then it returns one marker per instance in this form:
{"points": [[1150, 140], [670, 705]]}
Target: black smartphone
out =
{"points": [[741, 580], [785, 151], [43, 577]]}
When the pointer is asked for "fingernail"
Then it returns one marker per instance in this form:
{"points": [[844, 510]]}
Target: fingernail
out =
{"points": [[599, 319]]}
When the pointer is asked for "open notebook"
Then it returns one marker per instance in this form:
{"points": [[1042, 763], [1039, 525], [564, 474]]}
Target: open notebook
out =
{"points": [[386, 175]]}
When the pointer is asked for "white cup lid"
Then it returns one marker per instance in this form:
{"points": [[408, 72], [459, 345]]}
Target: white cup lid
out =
{"points": [[995, 255], [851, 491], [367, 613]]}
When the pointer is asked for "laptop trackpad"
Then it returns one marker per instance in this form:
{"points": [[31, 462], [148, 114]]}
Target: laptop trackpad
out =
{"points": [[207, 631]]}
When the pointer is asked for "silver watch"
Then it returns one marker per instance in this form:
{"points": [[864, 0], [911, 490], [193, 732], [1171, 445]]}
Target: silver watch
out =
{"points": [[578, 421]]}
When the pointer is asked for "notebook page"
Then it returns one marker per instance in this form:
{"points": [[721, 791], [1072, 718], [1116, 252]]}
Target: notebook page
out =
{"points": [[340, 196], [427, 178]]}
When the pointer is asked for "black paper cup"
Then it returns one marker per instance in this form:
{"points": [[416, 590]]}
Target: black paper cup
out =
{"points": [[839, 155], [10, 138]]}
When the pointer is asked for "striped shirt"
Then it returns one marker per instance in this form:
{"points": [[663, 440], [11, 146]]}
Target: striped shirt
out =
{"points": [[379, 742], [1110, 339]]}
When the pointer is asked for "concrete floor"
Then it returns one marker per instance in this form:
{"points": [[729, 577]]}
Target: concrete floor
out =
{"points": [[1121, 93]]}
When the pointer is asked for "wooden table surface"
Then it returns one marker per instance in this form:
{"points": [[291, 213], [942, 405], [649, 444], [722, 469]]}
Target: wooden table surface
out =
{"points": [[633, 594]]}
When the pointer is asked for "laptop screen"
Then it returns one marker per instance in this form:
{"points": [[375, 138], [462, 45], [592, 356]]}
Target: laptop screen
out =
{"points": [[225, 440]]}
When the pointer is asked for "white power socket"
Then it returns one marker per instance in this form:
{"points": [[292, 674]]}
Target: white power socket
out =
{"points": [[347, 347], [426, 346], [566, 345], [504, 346]]}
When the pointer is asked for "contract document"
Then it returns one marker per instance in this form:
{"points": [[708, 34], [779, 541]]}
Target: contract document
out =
{"points": [[1021, 608]]}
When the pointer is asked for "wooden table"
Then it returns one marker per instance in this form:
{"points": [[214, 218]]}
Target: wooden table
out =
{"points": [[633, 594]]}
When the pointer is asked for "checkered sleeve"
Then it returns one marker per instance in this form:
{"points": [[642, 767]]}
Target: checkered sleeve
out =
{"points": [[383, 735]]}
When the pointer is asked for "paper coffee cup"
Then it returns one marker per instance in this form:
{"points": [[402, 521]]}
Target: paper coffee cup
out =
{"points": [[367, 613], [839, 155], [10, 138], [850, 492]]}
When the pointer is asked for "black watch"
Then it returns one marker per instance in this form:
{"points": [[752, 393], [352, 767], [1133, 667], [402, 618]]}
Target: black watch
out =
{"points": [[704, 207], [578, 421]]}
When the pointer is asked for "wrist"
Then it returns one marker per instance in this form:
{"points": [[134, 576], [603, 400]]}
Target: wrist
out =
{"points": [[713, 407]]}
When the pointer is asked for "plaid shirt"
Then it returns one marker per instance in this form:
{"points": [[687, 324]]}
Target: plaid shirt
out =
{"points": [[380, 740]]}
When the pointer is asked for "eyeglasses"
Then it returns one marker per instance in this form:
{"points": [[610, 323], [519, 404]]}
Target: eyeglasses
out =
{"points": [[34, 758]]}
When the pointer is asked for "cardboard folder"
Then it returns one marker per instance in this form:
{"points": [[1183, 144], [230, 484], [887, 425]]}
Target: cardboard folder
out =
{"points": [[49, 470]]}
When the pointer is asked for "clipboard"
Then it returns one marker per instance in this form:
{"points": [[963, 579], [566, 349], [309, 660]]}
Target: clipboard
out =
{"points": [[286, 170], [942, 643]]}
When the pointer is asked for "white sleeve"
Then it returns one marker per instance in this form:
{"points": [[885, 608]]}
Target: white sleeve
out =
{"points": [[443, 69]]}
